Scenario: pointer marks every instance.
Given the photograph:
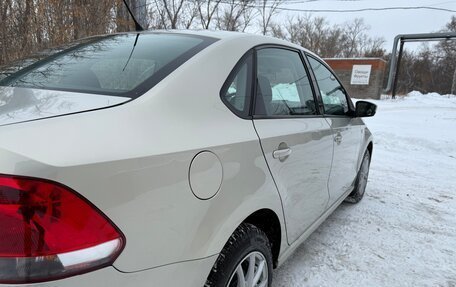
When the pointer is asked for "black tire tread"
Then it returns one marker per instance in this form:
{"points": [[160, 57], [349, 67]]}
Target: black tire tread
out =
{"points": [[236, 243], [356, 196]]}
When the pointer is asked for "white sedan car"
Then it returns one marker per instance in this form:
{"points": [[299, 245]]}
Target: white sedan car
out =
{"points": [[171, 158]]}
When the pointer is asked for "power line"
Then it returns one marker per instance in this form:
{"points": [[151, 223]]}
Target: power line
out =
{"points": [[365, 9], [334, 10], [286, 2], [348, 10]]}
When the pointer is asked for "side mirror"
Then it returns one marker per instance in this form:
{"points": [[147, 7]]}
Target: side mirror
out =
{"points": [[365, 109]]}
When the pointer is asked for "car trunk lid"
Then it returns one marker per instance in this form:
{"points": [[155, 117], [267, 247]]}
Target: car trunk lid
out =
{"points": [[25, 104]]}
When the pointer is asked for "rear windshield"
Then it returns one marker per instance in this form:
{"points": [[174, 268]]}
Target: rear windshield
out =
{"points": [[122, 64]]}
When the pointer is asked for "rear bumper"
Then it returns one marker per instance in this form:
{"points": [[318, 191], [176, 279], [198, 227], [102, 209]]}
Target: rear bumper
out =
{"points": [[189, 274]]}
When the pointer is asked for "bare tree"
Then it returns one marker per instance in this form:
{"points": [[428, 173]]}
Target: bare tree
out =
{"points": [[206, 11], [267, 9], [235, 15], [172, 10], [447, 50], [190, 14], [29, 26], [314, 33], [86, 19], [355, 37], [5, 7], [174, 14], [278, 31], [42, 24], [374, 47], [331, 45], [453, 86]]}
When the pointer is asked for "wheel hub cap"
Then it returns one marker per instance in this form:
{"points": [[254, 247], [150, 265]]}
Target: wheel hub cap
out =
{"points": [[252, 271]]}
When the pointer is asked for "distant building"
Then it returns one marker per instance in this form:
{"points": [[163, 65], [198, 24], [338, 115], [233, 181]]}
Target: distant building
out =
{"points": [[362, 77]]}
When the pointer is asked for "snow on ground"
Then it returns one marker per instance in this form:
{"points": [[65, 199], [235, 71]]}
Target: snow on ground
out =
{"points": [[403, 233]]}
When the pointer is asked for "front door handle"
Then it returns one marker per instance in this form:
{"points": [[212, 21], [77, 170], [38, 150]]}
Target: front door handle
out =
{"points": [[281, 153]]}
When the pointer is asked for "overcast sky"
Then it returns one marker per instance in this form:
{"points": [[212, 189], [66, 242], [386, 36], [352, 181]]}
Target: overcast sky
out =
{"points": [[387, 23]]}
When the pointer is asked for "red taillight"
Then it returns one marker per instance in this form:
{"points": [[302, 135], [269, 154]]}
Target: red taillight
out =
{"points": [[47, 232]]}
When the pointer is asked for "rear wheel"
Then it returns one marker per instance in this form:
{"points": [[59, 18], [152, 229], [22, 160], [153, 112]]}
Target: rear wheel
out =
{"points": [[245, 261], [361, 180]]}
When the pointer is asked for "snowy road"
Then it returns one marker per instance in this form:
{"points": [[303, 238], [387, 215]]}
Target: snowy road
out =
{"points": [[403, 233]]}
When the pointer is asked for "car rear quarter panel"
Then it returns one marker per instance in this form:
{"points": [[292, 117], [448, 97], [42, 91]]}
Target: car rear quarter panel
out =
{"points": [[132, 162]]}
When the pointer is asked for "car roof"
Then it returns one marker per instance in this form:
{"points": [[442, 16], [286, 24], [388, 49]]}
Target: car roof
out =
{"points": [[221, 35], [232, 35]]}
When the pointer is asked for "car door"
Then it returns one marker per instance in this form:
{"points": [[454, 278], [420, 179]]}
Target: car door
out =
{"points": [[296, 139], [347, 130]]}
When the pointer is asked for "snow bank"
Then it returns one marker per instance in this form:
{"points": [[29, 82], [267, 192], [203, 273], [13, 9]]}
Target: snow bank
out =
{"points": [[403, 233]]}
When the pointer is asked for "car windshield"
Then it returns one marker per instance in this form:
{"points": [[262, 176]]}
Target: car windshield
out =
{"points": [[121, 64]]}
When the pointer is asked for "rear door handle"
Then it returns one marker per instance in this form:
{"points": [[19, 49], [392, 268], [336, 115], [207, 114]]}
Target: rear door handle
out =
{"points": [[281, 153], [338, 138]]}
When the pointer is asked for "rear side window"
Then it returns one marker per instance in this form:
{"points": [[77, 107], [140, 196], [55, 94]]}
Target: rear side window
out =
{"points": [[283, 86], [237, 90], [123, 64]]}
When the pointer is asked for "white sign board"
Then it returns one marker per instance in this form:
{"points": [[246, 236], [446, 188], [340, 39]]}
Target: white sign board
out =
{"points": [[361, 74]]}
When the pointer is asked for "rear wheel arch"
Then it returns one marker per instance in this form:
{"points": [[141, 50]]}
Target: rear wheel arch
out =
{"points": [[262, 223], [267, 221]]}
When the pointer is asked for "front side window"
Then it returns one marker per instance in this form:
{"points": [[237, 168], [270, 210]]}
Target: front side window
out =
{"points": [[283, 86], [112, 65], [332, 93]]}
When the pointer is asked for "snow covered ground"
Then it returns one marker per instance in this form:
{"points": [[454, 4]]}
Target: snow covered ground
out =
{"points": [[403, 233]]}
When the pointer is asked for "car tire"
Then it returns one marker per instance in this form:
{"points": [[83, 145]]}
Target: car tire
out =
{"points": [[361, 180], [247, 250]]}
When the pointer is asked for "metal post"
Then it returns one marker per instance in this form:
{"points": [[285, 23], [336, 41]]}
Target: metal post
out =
{"points": [[453, 87], [411, 38], [398, 66]]}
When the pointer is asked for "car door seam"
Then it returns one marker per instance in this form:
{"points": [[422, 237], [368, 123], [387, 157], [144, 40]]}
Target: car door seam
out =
{"points": [[332, 163], [273, 180]]}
